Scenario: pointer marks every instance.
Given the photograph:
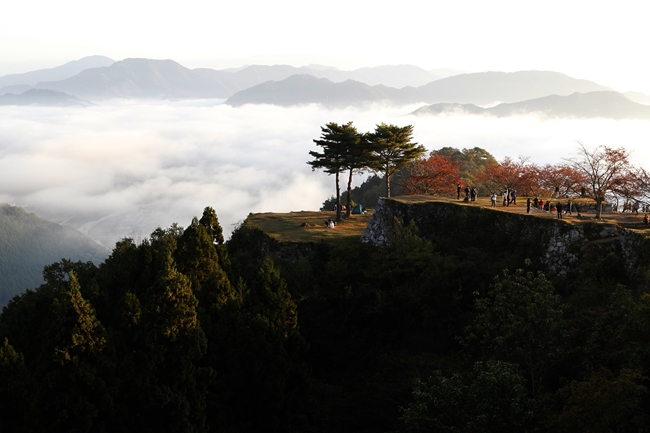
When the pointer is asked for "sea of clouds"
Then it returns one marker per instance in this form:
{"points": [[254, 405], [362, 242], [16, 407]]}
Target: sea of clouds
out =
{"points": [[124, 168]]}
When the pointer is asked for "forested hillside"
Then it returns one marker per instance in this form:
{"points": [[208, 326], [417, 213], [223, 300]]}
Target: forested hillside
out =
{"points": [[187, 333], [28, 243]]}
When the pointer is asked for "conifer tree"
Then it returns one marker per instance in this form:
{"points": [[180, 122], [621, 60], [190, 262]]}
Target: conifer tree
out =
{"points": [[15, 389], [336, 141], [170, 390], [196, 256], [392, 150], [210, 221]]}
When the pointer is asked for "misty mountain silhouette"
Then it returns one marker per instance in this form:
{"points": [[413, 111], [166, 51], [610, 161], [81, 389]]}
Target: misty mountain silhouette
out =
{"points": [[602, 104], [28, 243], [478, 88], [287, 85], [306, 89], [138, 78], [58, 73], [43, 97], [391, 76], [639, 97], [167, 79]]}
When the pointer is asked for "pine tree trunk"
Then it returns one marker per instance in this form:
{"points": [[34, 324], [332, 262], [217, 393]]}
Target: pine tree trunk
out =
{"points": [[348, 210], [338, 197], [387, 184]]}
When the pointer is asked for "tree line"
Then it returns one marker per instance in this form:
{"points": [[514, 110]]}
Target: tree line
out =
{"points": [[601, 173]]}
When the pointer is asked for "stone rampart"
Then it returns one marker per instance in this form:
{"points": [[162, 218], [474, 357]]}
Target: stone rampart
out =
{"points": [[556, 244]]}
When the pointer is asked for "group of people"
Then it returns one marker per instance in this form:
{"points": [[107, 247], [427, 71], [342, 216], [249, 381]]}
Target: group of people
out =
{"points": [[470, 193], [560, 207], [507, 196]]}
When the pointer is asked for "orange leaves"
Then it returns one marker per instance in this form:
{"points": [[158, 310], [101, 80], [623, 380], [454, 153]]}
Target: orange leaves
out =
{"points": [[436, 174]]}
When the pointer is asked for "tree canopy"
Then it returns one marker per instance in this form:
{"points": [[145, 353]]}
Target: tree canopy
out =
{"points": [[392, 150], [340, 145]]}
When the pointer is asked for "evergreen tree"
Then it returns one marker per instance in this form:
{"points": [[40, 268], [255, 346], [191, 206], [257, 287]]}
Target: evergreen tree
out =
{"points": [[15, 390], [169, 389], [73, 394], [261, 379], [392, 150], [336, 141], [210, 221], [195, 254]]}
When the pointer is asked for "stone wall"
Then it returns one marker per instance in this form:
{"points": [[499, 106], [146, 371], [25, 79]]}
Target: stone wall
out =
{"points": [[555, 244]]}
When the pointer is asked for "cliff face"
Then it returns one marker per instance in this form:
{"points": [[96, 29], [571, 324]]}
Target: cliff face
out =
{"points": [[555, 245]]}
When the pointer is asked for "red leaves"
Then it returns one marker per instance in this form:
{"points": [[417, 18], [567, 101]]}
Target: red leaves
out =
{"points": [[436, 174]]}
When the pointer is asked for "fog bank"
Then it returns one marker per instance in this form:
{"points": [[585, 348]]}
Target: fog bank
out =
{"points": [[125, 168]]}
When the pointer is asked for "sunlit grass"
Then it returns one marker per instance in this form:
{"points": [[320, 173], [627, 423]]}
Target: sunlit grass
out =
{"points": [[309, 226]]}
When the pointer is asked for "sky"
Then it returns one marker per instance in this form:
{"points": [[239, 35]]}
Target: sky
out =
{"points": [[600, 41]]}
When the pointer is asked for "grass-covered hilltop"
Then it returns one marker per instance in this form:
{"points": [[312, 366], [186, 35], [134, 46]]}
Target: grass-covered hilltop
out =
{"points": [[523, 309]]}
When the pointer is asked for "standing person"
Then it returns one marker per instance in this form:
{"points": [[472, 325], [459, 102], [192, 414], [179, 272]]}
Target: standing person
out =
{"points": [[568, 207], [535, 202], [559, 210], [458, 192], [504, 195], [493, 198], [541, 204], [513, 193], [646, 219], [467, 193], [528, 205]]}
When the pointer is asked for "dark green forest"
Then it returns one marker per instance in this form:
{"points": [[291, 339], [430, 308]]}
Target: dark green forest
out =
{"points": [[28, 243], [185, 332]]}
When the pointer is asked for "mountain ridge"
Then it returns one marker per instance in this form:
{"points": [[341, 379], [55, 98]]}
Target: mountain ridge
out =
{"points": [[57, 73], [28, 243], [482, 88], [597, 104], [42, 97]]}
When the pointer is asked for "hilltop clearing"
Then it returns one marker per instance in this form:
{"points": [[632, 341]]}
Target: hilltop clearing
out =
{"points": [[309, 226], [306, 226]]}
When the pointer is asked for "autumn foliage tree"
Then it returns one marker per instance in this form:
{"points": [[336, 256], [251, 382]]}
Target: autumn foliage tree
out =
{"points": [[563, 177], [437, 174], [605, 170], [509, 173]]}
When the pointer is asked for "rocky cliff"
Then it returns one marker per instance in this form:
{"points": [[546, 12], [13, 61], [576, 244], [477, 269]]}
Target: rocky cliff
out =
{"points": [[555, 245]]}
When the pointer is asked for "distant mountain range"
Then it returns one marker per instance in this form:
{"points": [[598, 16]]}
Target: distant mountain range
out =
{"points": [[43, 97], [166, 79], [14, 82], [484, 88], [603, 104], [99, 78]]}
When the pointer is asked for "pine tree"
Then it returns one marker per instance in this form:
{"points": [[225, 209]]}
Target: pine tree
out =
{"points": [[337, 142], [392, 150]]}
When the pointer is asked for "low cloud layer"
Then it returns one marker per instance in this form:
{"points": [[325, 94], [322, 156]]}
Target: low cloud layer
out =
{"points": [[125, 168]]}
